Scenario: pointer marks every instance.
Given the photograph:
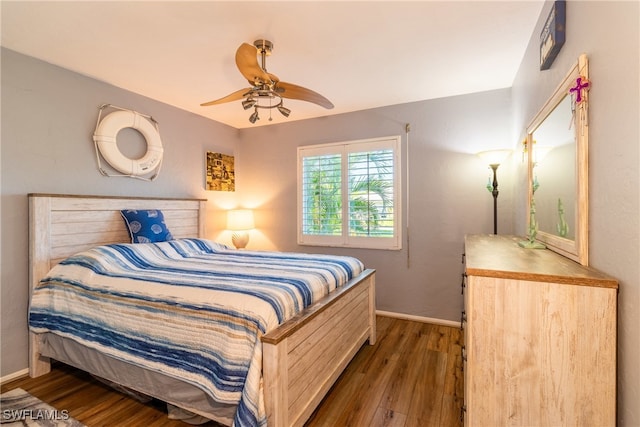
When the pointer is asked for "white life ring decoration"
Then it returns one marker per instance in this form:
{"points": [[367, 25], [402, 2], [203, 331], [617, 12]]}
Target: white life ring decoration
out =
{"points": [[105, 139]]}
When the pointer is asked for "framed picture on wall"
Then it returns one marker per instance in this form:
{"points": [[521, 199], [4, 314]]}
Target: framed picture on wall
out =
{"points": [[220, 172], [553, 34]]}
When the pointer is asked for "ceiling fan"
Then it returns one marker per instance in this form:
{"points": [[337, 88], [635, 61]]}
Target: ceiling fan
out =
{"points": [[266, 91]]}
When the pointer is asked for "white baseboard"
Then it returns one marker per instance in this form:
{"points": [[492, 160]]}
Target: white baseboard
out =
{"points": [[422, 319], [15, 375]]}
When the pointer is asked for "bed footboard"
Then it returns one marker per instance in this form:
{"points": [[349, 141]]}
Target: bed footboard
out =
{"points": [[306, 355]]}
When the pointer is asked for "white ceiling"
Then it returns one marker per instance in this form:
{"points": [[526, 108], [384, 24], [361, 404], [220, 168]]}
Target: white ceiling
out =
{"points": [[358, 54]]}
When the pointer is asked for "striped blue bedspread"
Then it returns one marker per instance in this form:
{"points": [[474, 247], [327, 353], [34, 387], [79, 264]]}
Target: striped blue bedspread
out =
{"points": [[190, 308]]}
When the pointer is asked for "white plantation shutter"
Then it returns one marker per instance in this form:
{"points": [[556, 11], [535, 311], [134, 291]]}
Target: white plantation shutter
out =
{"points": [[349, 194], [321, 195]]}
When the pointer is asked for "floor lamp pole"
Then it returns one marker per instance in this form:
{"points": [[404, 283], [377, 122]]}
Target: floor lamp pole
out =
{"points": [[494, 167], [494, 158]]}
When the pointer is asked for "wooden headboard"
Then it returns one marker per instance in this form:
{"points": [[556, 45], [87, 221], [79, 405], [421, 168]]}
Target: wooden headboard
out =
{"points": [[62, 225]]}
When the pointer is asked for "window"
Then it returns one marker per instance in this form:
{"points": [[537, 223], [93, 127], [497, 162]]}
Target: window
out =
{"points": [[349, 194]]}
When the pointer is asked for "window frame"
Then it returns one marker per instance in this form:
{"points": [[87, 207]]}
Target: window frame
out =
{"points": [[344, 149]]}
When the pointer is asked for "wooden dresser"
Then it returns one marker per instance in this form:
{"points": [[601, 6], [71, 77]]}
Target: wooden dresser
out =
{"points": [[540, 338]]}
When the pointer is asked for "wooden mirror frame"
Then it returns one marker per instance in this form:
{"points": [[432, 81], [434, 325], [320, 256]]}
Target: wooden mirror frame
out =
{"points": [[577, 249]]}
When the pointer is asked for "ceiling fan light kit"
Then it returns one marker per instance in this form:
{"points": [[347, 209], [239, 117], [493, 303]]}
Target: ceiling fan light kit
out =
{"points": [[266, 91]]}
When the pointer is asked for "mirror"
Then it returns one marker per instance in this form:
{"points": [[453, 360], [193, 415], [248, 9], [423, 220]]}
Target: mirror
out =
{"points": [[557, 141]]}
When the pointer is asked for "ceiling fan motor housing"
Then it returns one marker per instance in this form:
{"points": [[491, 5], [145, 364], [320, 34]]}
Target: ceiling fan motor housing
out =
{"points": [[264, 46]]}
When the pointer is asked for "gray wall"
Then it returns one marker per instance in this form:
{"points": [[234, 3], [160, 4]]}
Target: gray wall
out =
{"points": [[608, 32]]}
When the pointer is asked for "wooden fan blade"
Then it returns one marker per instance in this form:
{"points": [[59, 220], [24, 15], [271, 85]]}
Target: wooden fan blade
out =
{"points": [[239, 94], [291, 91], [247, 62]]}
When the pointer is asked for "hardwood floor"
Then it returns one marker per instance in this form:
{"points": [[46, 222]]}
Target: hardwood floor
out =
{"points": [[412, 377]]}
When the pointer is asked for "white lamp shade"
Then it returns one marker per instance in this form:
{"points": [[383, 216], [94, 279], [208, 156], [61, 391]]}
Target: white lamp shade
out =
{"points": [[494, 157], [240, 219]]}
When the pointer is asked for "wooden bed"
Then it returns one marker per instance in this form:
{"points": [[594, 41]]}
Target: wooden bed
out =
{"points": [[301, 359]]}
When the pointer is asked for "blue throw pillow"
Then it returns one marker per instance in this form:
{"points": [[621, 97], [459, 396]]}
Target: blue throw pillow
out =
{"points": [[146, 226]]}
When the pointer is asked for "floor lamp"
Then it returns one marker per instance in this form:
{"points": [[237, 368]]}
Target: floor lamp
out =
{"points": [[494, 158]]}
